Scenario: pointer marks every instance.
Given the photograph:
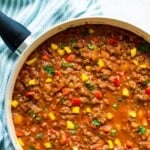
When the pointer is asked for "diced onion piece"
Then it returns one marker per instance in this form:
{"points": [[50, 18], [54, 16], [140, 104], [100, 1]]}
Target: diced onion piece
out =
{"points": [[84, 77], [67, 49], [31, 61], [20, 141], [125, 92], [76, 109], [70, 124], [14, 103], [133, 51], [54, 46], [47, 145], [52, 116]]}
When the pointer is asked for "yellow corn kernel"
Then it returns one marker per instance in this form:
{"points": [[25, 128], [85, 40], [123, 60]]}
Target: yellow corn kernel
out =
{"points": [[18, 119], [74, 148], [67, 49], [48, 80], [88, 110], [140, 114], [117, 142], [125, 92], [14, 103], [136, 62], [32, 82], [110, 144], [109, 115], [105, 54], [118, 127], [133, 51], [144, 122], [52, 116], [84, 77], [47, 145], [91, 31], [31, 61], [70, 124], [76, 109], [101, 63], [143, 66], [54, 46], [88, 68], [60, 52], [132, 114], [20, 141], [148, 132]]}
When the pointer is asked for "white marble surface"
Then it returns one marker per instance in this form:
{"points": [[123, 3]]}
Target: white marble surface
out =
{"points": [[136, 12]]}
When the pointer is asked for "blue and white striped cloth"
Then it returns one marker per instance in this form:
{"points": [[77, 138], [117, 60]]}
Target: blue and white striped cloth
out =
{"points": [[38, 16]]}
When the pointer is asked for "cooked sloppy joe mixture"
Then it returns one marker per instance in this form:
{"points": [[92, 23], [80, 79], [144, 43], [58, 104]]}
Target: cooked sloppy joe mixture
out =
{"points": [[86, 88]]}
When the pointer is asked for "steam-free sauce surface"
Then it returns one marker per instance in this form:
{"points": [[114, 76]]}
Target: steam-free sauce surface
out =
{"points": [[86, 88]]}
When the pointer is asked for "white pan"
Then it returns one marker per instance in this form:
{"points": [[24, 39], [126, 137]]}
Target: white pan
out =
{"points": [[16, 32]]}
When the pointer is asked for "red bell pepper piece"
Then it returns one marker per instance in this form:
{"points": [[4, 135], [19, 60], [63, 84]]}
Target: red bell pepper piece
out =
{"points": [[58, 73], [147, 90], [76, 102], [30, 93], [112, 40], [95, 39], [45, 57], [70, 58], [116, 81], [98, 94]]}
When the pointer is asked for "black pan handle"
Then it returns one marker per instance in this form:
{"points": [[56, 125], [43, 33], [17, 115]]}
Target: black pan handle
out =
{"points": [[12, 32]]}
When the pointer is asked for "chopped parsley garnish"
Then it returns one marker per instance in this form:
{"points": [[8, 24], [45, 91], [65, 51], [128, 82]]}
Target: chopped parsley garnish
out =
{"points": [[73, 40], [31, 148], [103, 76], [85, 32], [120, 99], [96, 123], [142, 130], [49, 70], [113, 132], [37, 119], [115, 105], [143, 47], [90, 46], [89, 86], [62, 99], [146, 82], [62, 45], [38, 135], [32, 114], [73, 132], [66, 65]]}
